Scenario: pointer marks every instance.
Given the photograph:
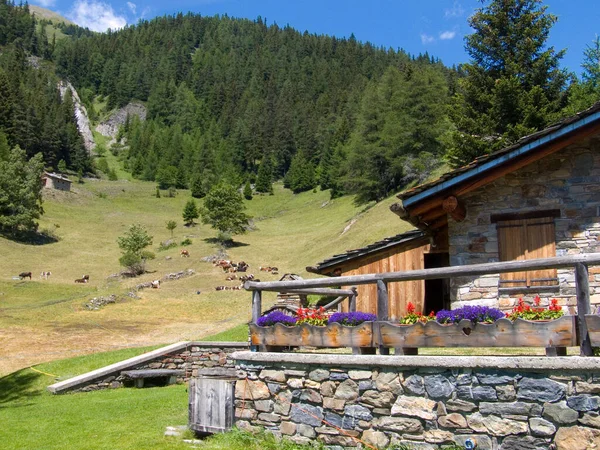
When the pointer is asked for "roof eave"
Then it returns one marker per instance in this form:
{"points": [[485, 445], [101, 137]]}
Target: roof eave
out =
{"points": [[520, 151]]}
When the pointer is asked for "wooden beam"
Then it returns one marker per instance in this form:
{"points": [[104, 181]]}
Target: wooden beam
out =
{"points": [[582, 286], [382, 309], [451, 205], [318, 291], [494, 174], [431, 274]]}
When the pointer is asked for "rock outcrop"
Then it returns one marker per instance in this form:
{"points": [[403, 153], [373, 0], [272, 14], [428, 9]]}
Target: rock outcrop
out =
{"points": [[83, 122], [110, 127]]}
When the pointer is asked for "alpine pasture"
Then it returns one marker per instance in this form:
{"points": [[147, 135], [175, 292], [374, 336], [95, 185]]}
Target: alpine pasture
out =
{"points": [[46, 319]]}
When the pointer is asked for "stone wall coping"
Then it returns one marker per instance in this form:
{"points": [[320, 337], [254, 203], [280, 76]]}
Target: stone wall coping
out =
{"points": [[130, 363], [472, 362]]}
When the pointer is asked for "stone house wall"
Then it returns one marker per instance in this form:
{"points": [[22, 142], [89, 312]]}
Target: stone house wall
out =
{"points": [[568, 180], [426, 403]]}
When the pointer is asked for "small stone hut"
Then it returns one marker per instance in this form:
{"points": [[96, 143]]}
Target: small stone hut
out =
{"points": [[56, 181]]}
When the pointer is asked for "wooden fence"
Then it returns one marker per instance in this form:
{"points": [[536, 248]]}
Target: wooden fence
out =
{"points": [[324, 286]]}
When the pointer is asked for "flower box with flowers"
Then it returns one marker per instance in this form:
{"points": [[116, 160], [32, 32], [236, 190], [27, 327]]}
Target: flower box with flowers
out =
{"points": [[479, 326], [315, 328]]}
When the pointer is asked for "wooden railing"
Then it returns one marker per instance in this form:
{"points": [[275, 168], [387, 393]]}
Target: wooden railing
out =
{"points": [[323, 286]]}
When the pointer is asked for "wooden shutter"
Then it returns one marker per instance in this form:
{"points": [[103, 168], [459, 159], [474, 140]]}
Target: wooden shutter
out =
{"points": [[522, 239]]}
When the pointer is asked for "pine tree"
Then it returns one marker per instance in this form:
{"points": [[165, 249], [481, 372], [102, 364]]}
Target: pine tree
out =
{"points": [[190, 212], [20, 188], [247, 191], [264, 179], [513, 85]]}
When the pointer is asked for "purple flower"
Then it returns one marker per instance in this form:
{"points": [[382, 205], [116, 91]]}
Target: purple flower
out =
{"points": [[352, 318], [275, 317], [473, 313]]}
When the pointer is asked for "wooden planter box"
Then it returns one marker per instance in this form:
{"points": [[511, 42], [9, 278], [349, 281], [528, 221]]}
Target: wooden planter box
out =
{"points": [[592, 322], [502, 333], [332, 335]]}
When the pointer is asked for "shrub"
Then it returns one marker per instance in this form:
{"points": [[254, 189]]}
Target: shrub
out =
{"points": [[483, 314], [275, 317], [166, 246], [186, 242], [352, 318]]}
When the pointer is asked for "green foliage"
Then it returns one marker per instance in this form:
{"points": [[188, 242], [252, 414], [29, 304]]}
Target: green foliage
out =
{"points": [[190, 212], [62, 166], [163, 246], [247, 191], [301, 176], [157, 195], [513, 86], [223, 210], [186, 242], [171, 225], [220, 112], [399, 136], [20, 189], [133, 245], [112, 175], [264, 179]]}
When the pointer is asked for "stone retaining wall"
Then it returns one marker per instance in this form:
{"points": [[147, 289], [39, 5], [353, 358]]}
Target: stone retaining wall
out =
{"points": [[425, 402], [187, 356]]}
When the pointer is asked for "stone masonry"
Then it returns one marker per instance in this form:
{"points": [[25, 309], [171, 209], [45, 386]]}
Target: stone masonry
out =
{"points": [[190, 359], [497, 403], [569, 181]]}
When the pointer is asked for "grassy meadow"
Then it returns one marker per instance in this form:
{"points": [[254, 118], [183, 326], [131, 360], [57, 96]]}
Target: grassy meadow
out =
{"points": [[42, 320]]}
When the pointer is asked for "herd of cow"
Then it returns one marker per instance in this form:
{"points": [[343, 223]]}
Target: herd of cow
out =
{"points": [[46, 274], [228, 267]]}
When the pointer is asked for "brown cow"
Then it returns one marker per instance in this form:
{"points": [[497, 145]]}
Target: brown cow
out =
{"points": [[185, 253], [25, 275]]}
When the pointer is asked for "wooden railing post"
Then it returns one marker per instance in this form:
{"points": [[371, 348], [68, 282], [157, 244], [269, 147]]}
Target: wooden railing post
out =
{"points": [[256, 311], [382, 311], [352, 299], [582, 286]]}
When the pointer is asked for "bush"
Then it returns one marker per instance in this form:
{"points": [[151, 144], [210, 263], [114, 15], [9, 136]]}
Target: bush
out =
{"points": [[186, 242], [166, 246]]}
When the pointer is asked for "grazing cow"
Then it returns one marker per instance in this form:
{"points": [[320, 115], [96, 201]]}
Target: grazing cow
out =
{"points": [[231, 277], [220, 288], [242, 266], [185, 253], [269, 269], [81, 280], [245, 278], [45, 275], [25, 275], [155, 284], [86, 278]]}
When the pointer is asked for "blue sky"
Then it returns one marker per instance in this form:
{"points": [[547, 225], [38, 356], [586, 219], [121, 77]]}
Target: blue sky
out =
{"points": [[435, 26]]}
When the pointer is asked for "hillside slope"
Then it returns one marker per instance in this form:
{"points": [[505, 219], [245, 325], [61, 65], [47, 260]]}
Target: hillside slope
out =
{"points": [[42, 320]]}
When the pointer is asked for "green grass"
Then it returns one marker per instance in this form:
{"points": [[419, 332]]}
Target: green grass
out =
{"points": [[291, 232]]}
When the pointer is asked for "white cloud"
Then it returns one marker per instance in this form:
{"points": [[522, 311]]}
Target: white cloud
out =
{"points": [[131, 6], [45, 3], [95, 15], [447, 35], [456, 11], [427, 39]]}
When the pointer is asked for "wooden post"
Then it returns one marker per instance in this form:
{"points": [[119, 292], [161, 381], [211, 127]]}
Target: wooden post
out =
{"points": [[256, 311], [352, 299], [382, 311], [582, 286]]}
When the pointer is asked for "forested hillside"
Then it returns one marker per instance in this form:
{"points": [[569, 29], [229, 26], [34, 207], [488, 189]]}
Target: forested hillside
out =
{"points": [[240, 99], [32, 114]]}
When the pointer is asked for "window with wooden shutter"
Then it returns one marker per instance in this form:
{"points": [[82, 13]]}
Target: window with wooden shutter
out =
{"points": [[527, 238]]}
